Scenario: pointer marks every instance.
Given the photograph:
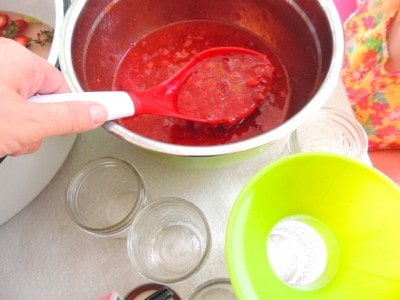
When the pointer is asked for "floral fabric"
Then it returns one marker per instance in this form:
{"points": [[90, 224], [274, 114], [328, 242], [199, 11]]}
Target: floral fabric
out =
{"points": [[374, 93]]}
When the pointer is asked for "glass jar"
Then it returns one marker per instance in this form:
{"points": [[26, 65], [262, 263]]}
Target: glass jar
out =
{"points": [[330, 130], [104, 196], [169, 240]]}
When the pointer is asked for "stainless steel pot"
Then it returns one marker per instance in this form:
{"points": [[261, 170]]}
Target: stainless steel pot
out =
{"points": [[307, 35]]}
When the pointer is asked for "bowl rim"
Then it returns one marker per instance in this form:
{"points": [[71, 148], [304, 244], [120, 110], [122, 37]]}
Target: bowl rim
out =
{"points": [[321, 96], [55, 47]]}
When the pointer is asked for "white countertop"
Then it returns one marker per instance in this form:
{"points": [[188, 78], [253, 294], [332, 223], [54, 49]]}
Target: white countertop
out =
{"points": [[45, 256]]}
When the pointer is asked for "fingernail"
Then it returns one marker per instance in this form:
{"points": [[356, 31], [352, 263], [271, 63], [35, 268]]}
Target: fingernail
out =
{"points": [[98, 114]]}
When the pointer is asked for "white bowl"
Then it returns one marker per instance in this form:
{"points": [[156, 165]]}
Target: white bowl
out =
{"points": [[23, 178], [50, 12]]}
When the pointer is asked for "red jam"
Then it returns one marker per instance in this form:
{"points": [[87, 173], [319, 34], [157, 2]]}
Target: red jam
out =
{"points": [[225, 88], [159, 55]]}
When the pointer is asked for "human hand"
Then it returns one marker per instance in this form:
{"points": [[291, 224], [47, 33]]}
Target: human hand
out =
{"points": [[24, 125]]}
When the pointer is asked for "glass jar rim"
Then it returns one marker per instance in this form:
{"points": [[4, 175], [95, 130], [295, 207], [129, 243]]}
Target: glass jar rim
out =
{"points": [[90, 169]]}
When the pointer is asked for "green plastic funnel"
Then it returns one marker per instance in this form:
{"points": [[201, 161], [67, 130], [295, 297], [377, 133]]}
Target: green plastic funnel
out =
{"points": [[354, 208]]}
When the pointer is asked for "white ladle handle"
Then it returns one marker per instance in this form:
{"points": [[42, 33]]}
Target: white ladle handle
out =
{"points": [[118, 104]]}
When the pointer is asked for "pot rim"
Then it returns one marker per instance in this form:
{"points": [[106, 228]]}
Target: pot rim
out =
{"points": [[325, 90]]}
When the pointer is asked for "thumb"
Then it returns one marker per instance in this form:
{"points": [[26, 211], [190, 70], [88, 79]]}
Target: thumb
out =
{"points": [[54, 119]]}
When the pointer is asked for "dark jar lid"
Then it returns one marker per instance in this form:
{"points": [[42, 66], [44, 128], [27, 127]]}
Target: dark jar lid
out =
{"points": [[145, 292]]}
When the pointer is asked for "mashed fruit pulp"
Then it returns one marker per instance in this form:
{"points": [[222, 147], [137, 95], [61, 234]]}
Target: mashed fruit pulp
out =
{"points": [[160, 54], [225, 88]]}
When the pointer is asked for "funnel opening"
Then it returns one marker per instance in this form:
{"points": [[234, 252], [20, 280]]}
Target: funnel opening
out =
{"points": [[302, 252]]}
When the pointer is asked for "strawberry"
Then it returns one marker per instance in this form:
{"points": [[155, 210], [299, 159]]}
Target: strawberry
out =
{"points": [[44, 37], [23, 40], [4, 19], [21, 24]]}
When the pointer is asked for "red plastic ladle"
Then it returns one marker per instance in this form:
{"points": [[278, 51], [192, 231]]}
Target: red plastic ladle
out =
{"points": [[163, 99]]}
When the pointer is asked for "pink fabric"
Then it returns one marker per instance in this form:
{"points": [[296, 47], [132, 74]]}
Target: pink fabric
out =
{"points": [[112, 296], [345, 8], [388, 162]]}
